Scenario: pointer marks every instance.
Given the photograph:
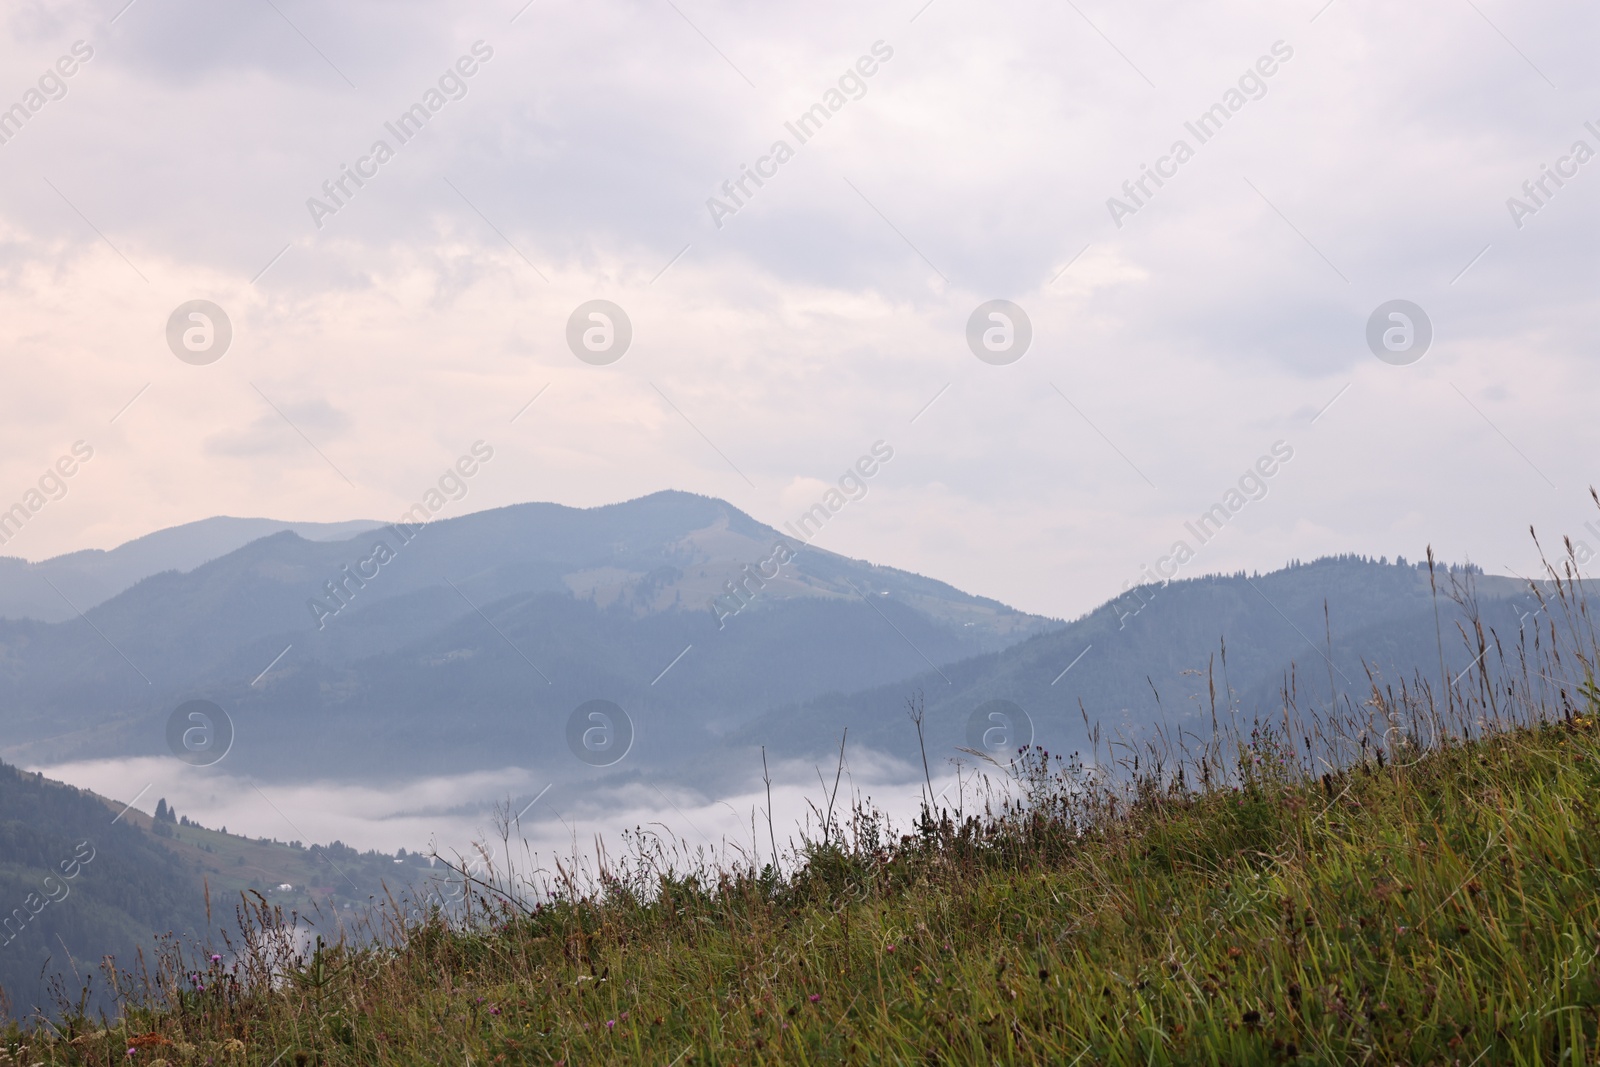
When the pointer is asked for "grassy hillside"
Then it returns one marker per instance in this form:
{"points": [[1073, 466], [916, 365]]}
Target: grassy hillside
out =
{"points": [[1431, 896], [76, 885], [83, 877], [324, 878]]}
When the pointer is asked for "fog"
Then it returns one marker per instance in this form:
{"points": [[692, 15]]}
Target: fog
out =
{"points": [[449, 814]]}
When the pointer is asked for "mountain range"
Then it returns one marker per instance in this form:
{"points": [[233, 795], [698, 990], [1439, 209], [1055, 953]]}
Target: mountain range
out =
{"points": [[440, 647], [56, 589], [1322, 635], [471, 643]]}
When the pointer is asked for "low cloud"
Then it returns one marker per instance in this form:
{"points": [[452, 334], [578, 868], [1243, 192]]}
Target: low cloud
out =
{"points": [[450, 812]]}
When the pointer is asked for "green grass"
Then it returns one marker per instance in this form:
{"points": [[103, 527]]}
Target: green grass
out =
{"points": [[1443, 912]]}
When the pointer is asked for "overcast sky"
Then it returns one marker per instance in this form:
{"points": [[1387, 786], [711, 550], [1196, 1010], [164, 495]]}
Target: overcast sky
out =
{"points": [[1173, 344]]}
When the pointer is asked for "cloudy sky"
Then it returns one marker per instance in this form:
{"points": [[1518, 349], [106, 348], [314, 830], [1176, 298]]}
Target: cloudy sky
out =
{"points": [[376, 338]]}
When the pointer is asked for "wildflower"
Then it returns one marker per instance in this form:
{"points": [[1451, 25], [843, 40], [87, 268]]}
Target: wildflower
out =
{"points": [[611, 1024], [493, 1010], [215, 958], [891, 948], [815, 997]]}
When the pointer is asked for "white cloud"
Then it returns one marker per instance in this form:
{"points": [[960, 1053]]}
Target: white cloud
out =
{"points": [[448, 813]]}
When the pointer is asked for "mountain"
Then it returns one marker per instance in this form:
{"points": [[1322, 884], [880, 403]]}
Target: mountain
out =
{"points": [[1149, 660], [83, 877], [471, 642], [82, 580]]}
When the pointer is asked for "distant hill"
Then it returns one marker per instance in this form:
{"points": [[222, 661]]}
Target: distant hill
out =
{"points": [[83, 877], [75, 886], [468, 642], [1148, 660], [85, 579]]}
